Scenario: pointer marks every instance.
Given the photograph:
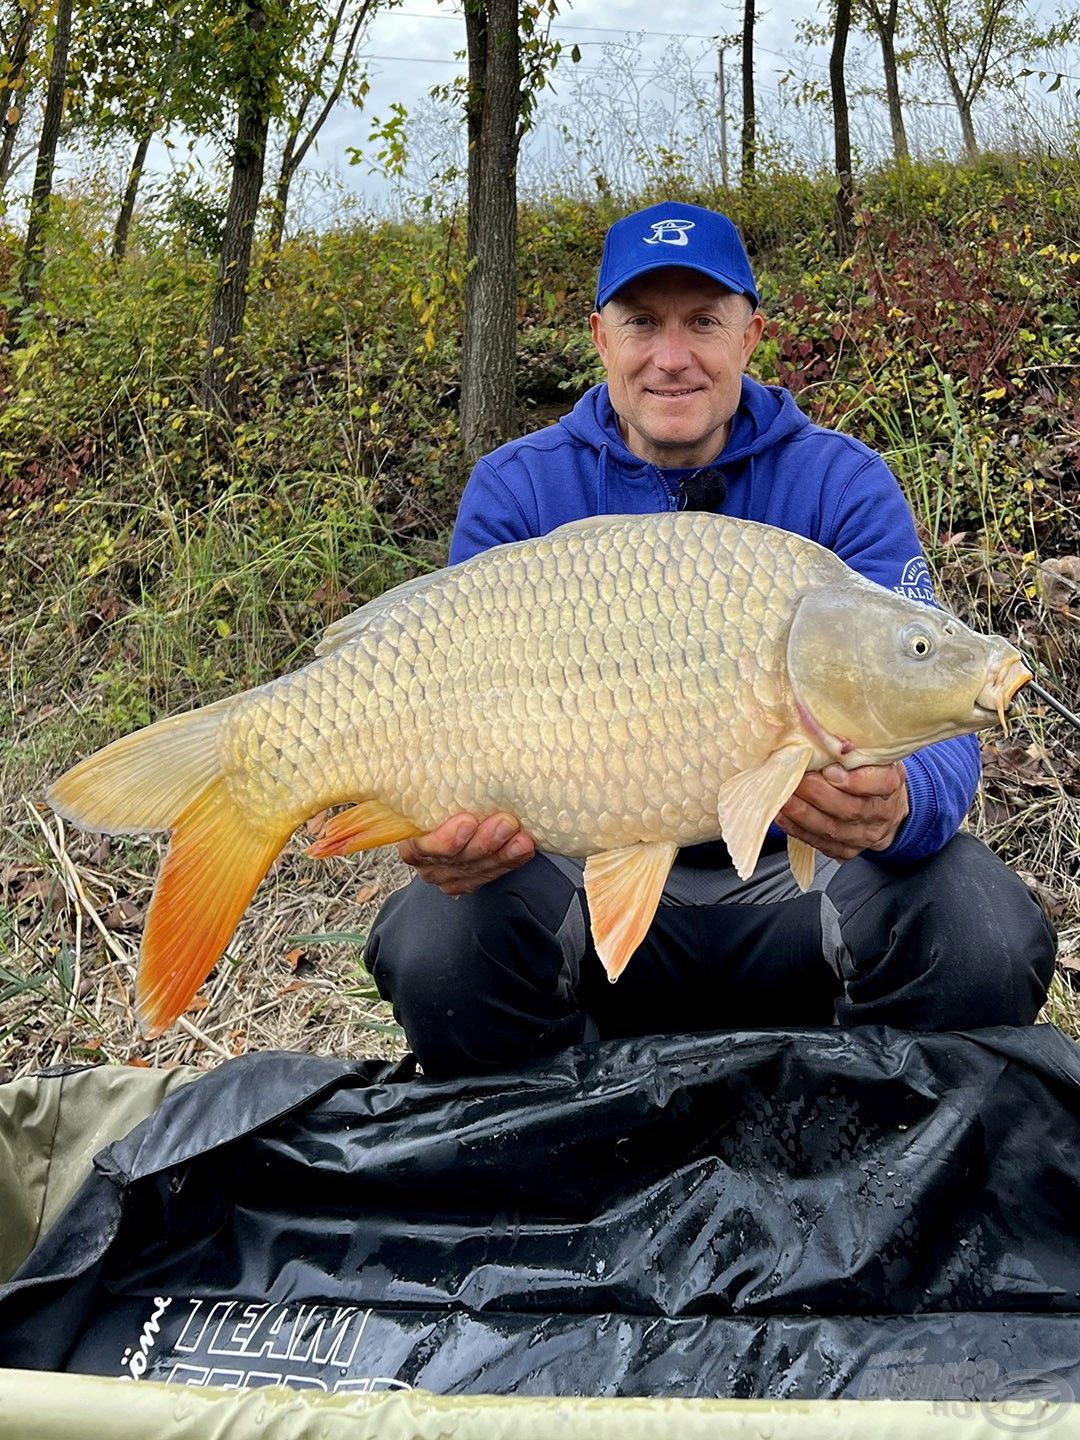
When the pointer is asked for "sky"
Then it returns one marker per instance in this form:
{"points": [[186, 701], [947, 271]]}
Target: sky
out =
{"points": [[412, 48]]}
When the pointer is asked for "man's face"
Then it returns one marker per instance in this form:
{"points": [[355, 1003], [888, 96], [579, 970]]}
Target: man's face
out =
{"points": [[674, 345]]}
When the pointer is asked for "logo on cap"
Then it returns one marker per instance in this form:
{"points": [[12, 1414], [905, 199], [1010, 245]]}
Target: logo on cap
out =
{"points": [[669, 232]]}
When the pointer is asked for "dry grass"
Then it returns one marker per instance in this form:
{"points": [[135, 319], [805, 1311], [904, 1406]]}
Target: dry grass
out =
{"points": [[71, 905], [74, 905]]}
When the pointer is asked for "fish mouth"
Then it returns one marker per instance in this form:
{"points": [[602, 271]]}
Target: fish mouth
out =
{"points": [[1009, 676]]}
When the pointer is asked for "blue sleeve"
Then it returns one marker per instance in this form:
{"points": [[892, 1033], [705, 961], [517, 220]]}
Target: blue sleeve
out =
{"points": [[873, 531], [489, 514]]}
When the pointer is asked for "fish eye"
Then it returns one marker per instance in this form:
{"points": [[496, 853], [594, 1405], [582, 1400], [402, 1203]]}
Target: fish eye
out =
{"points": [[917, 642]]}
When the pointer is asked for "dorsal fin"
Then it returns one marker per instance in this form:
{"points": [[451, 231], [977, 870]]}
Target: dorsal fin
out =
{"points": [[593, 522], [349, 626]]}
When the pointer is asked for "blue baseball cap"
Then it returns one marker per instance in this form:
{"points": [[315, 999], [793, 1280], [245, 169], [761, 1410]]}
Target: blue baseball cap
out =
{"points": [[674, 234]]}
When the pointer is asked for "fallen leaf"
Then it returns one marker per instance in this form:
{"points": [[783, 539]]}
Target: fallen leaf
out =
{"points": [[314, 823], [124, 915], [1059, 582], [367, 892]]}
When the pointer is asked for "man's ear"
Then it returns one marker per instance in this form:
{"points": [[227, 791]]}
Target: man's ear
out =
{"points": [[599, 335], [755, 327]]}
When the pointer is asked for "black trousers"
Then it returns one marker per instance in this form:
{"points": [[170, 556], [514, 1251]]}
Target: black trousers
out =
{"points": [[509, 973]]}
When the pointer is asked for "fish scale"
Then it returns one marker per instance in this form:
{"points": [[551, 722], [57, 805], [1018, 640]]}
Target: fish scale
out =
{"points": [[543, 694], [624, 686]]}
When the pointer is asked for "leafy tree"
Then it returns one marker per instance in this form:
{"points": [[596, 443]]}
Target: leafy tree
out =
{"points": [[882, 19], [255, 41], [749, 108], [977, 44], [324, 74], [33, 251], [841, 122], [18, 25], [509, 51], [264, 49], [142, 68]]}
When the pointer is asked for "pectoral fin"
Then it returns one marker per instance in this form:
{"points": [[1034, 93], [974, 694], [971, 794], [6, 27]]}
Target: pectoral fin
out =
{"points": [[748, 804], [623, 888], [802, 858], [362, 827]]}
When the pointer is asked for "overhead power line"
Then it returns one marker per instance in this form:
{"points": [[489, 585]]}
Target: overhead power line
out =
{"points": [[582, 29]]}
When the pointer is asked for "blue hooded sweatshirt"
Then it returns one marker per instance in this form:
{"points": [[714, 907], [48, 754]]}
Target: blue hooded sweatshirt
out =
{"points": [[777, 468]]}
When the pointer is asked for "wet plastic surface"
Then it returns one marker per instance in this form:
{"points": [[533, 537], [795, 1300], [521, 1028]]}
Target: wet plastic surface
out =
{"points": [[791, 1215]]}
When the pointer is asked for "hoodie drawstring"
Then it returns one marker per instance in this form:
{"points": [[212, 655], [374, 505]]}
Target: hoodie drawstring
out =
{"points": [[601, 482]]}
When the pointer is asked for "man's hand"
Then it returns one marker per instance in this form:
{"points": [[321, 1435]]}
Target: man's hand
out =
{"points": [[464, 853], [843, 812]]}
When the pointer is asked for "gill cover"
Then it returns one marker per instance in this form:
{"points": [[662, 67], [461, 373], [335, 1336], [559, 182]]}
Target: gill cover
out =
{"points": [[885, 673]]}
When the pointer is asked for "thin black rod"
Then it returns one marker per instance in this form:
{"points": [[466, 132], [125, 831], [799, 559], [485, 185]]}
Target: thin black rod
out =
{"points": [[1048, 699]]}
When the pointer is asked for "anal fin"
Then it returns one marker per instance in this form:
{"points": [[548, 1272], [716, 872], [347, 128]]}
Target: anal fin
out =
{"points": [[623, 888], [802, 859], [362, 827], [748, 804]]}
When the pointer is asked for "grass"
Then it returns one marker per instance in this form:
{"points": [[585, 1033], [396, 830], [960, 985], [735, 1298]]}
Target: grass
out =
{"points": [[134, 610], [208, 599], [148, 565]]}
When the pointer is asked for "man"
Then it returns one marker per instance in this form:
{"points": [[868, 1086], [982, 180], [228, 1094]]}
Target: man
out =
{"points": [[486, 956]]}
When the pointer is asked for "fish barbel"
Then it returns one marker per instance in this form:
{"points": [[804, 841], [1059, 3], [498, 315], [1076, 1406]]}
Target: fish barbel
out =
{"points": [[624, 685]]}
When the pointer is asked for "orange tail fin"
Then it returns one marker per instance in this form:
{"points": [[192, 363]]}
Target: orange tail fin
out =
{"points": [[212, 869], [168, 777]]}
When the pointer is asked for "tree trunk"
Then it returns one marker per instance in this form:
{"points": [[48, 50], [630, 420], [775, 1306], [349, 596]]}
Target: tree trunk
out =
{"points": [[33, 252], [841, 127], [280, 204], [886, 29], [493, 111], [127, 208], [296, 149], [221, 385], [749, 111], [8, 130], [967, 125], [13, 94]]}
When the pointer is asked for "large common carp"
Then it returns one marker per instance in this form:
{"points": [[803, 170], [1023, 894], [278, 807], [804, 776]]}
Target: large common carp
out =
{"points": [[624, 686]]}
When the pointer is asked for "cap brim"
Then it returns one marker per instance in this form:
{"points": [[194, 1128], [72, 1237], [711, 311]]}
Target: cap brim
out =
{"points": [[663, 262]]}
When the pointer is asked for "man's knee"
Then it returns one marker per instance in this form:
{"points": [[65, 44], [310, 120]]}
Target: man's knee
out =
{"points": [[423, 940], [481, 981], [955, 942]]}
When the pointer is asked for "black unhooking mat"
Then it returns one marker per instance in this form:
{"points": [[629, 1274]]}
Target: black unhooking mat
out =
{"points": [[770, 1214]]}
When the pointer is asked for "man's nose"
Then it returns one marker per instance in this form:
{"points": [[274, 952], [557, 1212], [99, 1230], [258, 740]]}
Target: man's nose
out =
{"points": [[672, 351]]}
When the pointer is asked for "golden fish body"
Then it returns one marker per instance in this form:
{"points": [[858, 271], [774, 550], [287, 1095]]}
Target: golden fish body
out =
{"points": [[599, 683], [624, 685]]}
